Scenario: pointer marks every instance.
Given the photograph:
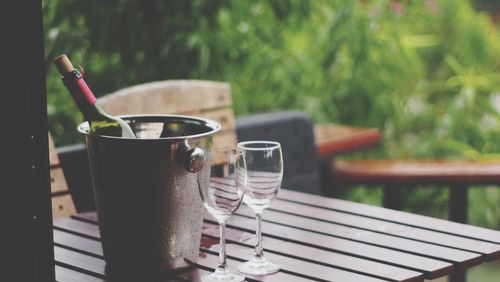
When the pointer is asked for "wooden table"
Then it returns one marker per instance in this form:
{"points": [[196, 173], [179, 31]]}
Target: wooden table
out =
{"points": [[312, 238]]}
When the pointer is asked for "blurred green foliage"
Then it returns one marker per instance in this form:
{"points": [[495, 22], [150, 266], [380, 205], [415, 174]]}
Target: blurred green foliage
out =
{"points": [[425, 72]]}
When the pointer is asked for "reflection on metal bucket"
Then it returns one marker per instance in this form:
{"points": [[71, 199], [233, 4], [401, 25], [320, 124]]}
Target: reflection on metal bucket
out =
{"points": [[147, 199]]}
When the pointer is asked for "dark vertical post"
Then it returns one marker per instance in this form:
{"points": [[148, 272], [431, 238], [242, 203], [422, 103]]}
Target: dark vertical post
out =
{"points": [[25, 183], [328, 187], [458, 203], [458, 275], [392, 197], [457, 211]]}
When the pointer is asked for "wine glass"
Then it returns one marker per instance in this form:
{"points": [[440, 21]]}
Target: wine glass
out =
{"points": [[264, 164], [221, 188]]}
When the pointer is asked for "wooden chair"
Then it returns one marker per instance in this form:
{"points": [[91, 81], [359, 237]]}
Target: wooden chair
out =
{"points": [[201, 98]]}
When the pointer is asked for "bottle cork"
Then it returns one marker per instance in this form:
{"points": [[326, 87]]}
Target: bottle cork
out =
{"points": [[63, 64]]}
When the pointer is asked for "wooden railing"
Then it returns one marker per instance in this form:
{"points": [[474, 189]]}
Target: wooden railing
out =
{"points": [[333, 139], [456, 175], [393, 174]]}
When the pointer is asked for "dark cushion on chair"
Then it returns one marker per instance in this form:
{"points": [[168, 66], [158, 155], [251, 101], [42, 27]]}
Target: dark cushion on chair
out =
{"points": [[294, 130]]}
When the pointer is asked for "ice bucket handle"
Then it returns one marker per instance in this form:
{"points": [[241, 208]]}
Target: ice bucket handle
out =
{"points": [[191, 158]]}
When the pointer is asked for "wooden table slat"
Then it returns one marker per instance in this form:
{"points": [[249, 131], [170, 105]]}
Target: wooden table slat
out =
{"points": [[85, 245], [86, 229], [425, 222], [64, 274], [92, 265]]}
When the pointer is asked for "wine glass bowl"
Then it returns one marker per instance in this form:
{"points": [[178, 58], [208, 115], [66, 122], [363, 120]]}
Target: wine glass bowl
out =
{"points": [[221, 187], [264, 166], [223, 196], [261, 189]]}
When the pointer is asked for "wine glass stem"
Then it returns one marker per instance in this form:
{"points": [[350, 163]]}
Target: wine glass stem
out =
{"points": [[258, 247], [222, 246]]}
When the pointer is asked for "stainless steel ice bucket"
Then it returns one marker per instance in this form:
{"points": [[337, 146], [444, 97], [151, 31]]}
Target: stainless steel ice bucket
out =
{"points": [[147, 199]]}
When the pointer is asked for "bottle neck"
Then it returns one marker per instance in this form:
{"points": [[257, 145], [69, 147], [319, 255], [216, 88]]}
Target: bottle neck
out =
{"points": [[82, 95]]}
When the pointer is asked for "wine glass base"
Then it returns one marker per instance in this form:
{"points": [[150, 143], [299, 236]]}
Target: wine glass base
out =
{"points": [[258, 267], [225, 276]]}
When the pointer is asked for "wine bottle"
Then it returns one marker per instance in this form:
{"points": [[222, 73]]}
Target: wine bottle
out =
{"points": [[99, 121]]}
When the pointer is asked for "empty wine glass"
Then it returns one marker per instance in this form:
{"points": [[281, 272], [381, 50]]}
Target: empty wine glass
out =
{"points": [[264, 164], [221, 188]]}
